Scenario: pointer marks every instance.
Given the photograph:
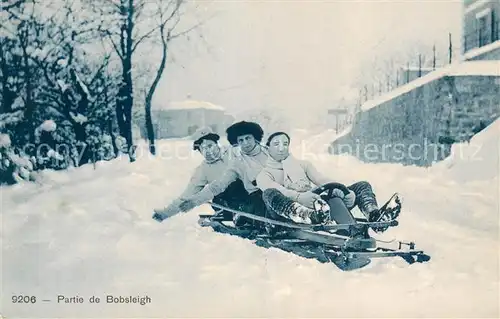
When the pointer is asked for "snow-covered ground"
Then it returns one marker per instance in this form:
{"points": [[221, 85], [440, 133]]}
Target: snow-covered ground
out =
{"points": [[89, 232]]}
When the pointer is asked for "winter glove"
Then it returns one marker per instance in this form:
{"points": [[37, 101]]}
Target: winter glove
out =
{"points": [[158, 216], [164, 213], [348, 199], [307, 199]]}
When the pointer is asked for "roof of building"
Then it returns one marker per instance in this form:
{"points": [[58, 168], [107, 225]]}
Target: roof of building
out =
{"points": [[479, 68], [416, 68], [190, 104]]}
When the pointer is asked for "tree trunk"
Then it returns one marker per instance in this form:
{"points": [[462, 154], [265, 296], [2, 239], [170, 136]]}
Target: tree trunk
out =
{"points": [[149, 129], [8, 96], [113, 137], [120, 115], [29, 105], [110, 121], [84, 151], [124, 106], [152, 89], [128, 97], [127, 109]]}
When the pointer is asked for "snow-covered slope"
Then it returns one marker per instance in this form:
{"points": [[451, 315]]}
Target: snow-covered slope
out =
{"points": [[89, 232], [478, 160]]}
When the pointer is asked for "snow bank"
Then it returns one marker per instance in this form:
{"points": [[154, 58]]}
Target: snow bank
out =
{"points": [[89, 232], [478, 160]]}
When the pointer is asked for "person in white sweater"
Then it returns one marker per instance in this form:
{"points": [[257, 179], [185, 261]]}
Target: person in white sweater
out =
{"points": [[245, 167], [287, 182]]}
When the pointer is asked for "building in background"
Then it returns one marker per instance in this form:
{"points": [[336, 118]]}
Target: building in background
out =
{"points": [[444, 107], [481, 23], [181, 119]]}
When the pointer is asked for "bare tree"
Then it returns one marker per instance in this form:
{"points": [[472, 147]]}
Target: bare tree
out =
{"points": [[169, 18], [127, 24]]}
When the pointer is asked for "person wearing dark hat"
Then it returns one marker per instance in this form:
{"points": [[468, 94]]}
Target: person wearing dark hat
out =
{"points": [[245, 167], [216, 161]]}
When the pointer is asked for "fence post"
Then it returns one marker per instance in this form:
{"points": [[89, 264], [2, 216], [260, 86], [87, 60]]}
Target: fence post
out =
{"points": [[450, 49], [408, 72], [434, 57], [419, 65]]}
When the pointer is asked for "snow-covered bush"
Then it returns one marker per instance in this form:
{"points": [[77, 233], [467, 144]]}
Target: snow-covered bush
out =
{"points": [[58, 91], [121, 144], [99, 144], [50, 96], [15, 166]]}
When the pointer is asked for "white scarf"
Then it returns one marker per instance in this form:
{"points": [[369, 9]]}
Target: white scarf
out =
{"points": [[294, 175]]}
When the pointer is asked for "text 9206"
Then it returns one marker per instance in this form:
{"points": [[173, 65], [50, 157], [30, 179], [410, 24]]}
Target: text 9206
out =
{"points": [[23, 299]]}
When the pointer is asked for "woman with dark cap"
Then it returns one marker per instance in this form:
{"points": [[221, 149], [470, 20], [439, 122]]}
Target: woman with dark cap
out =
{"points": [[245, 167], [286, 183], [216, 161]]}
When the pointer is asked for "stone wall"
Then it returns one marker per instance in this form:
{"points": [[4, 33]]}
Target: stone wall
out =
{"points": [[418, 128]]}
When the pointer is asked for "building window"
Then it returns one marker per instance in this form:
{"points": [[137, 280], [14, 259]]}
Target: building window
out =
{"points": [[495, 23], [482, 31], [483, 26]]}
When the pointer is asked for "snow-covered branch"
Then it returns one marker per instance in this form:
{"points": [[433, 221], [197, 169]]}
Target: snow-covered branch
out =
{"points": [[7, 5]]}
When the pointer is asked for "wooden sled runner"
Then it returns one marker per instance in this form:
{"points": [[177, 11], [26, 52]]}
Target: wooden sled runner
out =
{"points": [[321, 241]]}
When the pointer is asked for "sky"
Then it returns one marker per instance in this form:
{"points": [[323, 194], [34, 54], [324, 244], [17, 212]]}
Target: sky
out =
{"points": [[301, 56], [298, 57]]}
